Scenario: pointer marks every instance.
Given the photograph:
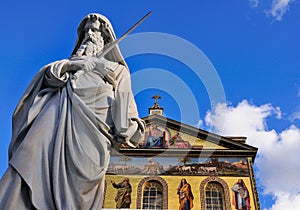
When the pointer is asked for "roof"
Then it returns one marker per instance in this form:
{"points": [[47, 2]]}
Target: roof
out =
{"points": [[204, 143]]}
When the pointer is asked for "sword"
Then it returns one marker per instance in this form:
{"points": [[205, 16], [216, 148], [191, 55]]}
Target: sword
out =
{"points": [[114, 44]]}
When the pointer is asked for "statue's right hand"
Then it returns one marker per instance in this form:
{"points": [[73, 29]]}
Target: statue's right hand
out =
{"points": [[86, 65], [81, 66]]}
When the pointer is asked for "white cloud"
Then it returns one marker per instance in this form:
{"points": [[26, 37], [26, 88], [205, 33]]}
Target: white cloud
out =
{"points": [[279, 8], [286, 202], [199, 124], [240, 119], [278, 165], [278, 113], [276, 10], [296, 115]]}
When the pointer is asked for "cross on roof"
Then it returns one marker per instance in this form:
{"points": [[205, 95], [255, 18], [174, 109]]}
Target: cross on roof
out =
{"points": [[156, 97], [155, 108]]}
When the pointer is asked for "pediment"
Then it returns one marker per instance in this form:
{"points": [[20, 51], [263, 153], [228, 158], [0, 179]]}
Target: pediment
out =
{"points": [[174, 133], [167, 143]]}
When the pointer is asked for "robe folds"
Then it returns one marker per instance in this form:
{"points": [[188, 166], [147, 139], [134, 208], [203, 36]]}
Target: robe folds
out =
{"points": [[63, 130], [186, 197]]}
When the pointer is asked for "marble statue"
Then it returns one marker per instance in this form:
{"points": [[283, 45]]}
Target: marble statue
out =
{"points": [[72, 114]]}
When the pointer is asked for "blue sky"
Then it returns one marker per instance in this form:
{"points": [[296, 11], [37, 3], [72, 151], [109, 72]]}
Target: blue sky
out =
{"points": [[250, 85]]}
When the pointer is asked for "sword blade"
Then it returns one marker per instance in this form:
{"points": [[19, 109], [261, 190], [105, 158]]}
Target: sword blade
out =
{"points": [[116, 42]]}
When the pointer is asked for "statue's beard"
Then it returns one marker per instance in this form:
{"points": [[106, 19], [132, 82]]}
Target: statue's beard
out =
{"points": [[91, 46]]}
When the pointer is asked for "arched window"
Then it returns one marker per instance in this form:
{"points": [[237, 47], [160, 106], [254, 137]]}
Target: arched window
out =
{"points": [[152, 195], [214, 196]]}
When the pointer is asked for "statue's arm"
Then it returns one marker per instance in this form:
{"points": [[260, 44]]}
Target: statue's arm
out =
{"points": [[69, 67], [82, 63], [117, 186], [234, 188]]}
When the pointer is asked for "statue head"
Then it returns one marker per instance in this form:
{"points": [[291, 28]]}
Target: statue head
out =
{"points": [[240, 182], [92, 41], [97, 28], [182, 183]]}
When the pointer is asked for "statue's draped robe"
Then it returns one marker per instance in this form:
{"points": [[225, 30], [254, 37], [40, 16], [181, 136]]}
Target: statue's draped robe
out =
{"points": [[240, 196], [186, 197], [62, 129], [123, 196]]}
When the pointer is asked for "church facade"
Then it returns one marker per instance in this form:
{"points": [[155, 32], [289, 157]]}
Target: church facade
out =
{"points": [[218, 170]]}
